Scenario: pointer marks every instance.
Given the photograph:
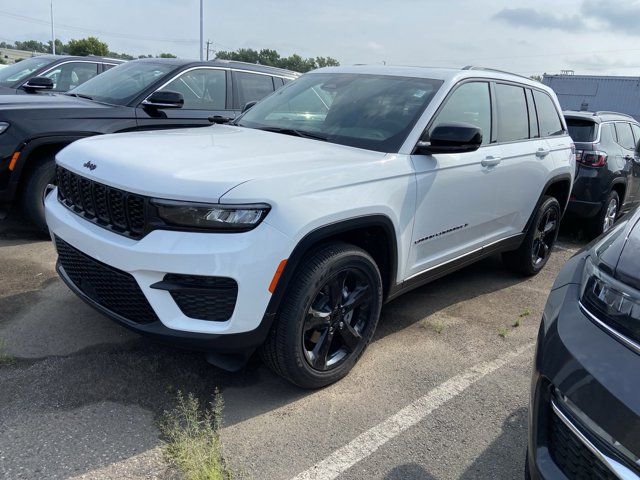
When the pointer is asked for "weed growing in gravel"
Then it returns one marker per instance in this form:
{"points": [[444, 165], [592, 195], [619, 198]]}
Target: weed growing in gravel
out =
{"points": [[525, 313], [503, 332], [192, 439], [516, 323], [5, 358], [438, 327]]}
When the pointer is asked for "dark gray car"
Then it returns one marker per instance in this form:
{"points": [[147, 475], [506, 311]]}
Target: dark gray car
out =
{"points": [[607, 178], [585, 398]]}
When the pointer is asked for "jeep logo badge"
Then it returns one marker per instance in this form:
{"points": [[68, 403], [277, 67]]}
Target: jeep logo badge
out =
{"points": [[90, 166]]}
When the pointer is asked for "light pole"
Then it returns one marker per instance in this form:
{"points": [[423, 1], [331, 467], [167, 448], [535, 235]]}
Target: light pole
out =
{"points": [[201, 30], [53, 34]]}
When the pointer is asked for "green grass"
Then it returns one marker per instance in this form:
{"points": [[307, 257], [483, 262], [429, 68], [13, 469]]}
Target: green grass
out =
{"points": [[525, 313], [5, 358], [516, 323], [503, 332], [192, 439]]}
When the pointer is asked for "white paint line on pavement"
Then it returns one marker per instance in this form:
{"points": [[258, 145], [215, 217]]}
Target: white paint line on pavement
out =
{"points": [[371, 440]]}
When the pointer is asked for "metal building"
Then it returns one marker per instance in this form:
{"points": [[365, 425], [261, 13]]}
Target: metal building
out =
{"points": [[593, 93]]}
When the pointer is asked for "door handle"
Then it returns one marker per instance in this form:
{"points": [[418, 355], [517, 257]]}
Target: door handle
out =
{"points": [[491, 161], [542, 152]]}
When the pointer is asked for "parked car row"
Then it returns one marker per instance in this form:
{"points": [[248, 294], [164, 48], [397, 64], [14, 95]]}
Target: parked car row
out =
{"points": [[138, 95]]}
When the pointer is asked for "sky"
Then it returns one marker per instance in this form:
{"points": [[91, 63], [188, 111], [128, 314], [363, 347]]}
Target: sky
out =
{"points": [[525, 37]]}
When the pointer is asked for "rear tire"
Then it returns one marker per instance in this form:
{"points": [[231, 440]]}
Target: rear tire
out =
{"points": [[38, 184], [606, 217], [328, 316], [534, 252]]}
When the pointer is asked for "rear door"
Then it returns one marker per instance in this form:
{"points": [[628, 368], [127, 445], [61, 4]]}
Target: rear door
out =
{"points": [[628, 144], [206, 92], [251, 87]]}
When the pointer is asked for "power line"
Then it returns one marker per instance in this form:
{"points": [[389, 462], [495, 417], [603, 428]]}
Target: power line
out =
{"points": [[61, 26]]}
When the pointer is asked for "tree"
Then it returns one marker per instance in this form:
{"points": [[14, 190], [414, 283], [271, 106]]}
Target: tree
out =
{"points": [[121, 56], [167, 55], [60, 47], [87, 46], [31, 46], [272, 58]]}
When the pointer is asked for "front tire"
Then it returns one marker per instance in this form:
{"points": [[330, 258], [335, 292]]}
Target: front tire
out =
{"points": [[328, 316], [38, 185], [535, 250]]}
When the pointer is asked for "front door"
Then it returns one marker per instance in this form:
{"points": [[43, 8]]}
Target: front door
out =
{"points": [[206, 95], [456, 193]]}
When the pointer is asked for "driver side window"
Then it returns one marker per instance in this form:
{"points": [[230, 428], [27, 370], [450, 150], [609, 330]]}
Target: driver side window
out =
{"points": [[469, 103]]}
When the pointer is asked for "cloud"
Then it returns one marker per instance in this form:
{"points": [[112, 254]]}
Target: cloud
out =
{"points": [[619, 14], [532, 18], [599, 63]]}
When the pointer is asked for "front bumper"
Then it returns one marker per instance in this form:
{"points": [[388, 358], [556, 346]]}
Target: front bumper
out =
{"points": [[591, 378], [249, 258]]}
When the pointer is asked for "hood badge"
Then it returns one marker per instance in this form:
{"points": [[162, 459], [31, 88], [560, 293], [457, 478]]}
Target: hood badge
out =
{"points": [[90, 166]]}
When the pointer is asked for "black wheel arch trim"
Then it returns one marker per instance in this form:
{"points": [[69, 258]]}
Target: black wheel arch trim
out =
{"points": [[317, 236], [558, 178]]}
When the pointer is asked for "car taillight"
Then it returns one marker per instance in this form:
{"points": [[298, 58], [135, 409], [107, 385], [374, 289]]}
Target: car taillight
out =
{"points": [[591, 158]]}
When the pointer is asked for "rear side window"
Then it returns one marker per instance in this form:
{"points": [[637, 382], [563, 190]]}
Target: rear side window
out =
{"points": [[513, 117], [625, 136], [253, 87], [582, 130], [548, 117], [469, 103], [607, 133]]}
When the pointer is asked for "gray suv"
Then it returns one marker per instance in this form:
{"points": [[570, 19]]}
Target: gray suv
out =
{"points": [[607, 180]]}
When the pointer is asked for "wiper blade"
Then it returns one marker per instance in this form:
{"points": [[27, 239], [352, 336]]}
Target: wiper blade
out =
{"points": [[80, 95], [295, 132]]}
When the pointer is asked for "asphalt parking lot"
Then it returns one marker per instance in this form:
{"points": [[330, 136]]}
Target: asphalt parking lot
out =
{"points": [[441, 393]]}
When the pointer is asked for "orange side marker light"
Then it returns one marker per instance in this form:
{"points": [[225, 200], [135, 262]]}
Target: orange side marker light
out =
{"points": [[14, 159], [276, 276]]}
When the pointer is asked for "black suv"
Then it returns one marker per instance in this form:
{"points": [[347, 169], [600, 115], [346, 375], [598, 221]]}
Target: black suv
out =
{"points": [[607, 178], [138, 95], [52, 73], [584, 419]]}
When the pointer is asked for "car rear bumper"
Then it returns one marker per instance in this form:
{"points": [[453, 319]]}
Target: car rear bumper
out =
{"points": [[582, 399], [92, 259]]}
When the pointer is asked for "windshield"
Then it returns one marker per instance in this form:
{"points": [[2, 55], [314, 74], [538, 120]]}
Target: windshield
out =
{"points": [[22, 70], [375, 112], [121, 84], [581, 130]]}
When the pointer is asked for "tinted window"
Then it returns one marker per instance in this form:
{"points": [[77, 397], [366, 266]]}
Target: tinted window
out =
{"points": [[513, 118], [202, 89], [607, 133], [374, 112], [252, 87], [108, 66], [582, 130], [534, 131], [548, 117], [22, 70], [625, 136], [469, 103], [69, 75]]}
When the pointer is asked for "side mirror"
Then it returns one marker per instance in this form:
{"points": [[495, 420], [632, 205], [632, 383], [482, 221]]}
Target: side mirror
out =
{"points": [[163, 99], [451, 138], [248, 105], [38, 83]]}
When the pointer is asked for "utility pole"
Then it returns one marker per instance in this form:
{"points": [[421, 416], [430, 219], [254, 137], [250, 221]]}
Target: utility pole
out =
{"points": [[202, 30], [53, 33], [208, 43]]}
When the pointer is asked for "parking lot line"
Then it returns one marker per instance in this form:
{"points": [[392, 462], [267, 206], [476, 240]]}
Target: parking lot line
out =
{"points": [[368, 442]]}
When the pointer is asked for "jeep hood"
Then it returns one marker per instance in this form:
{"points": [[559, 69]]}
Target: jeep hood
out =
{"points": [[202, 164]]}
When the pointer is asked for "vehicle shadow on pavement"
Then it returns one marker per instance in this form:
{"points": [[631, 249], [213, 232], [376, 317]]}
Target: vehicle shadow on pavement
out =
{"points": [[409, 471], [500, 454]]}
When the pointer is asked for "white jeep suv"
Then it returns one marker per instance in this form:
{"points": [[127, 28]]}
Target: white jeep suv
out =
{"points": [[287, 230]]}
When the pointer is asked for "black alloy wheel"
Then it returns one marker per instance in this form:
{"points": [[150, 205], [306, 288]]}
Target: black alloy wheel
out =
{"points": [[339, 315], [545, 236]]}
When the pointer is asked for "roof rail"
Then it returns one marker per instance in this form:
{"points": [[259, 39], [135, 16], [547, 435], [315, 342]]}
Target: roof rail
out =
{"points": [[487, 69], [606, 112]]}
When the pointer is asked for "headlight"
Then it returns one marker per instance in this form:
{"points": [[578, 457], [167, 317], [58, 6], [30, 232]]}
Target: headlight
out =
{"points": [[3, 127], [211, 216], [612, 302]]}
